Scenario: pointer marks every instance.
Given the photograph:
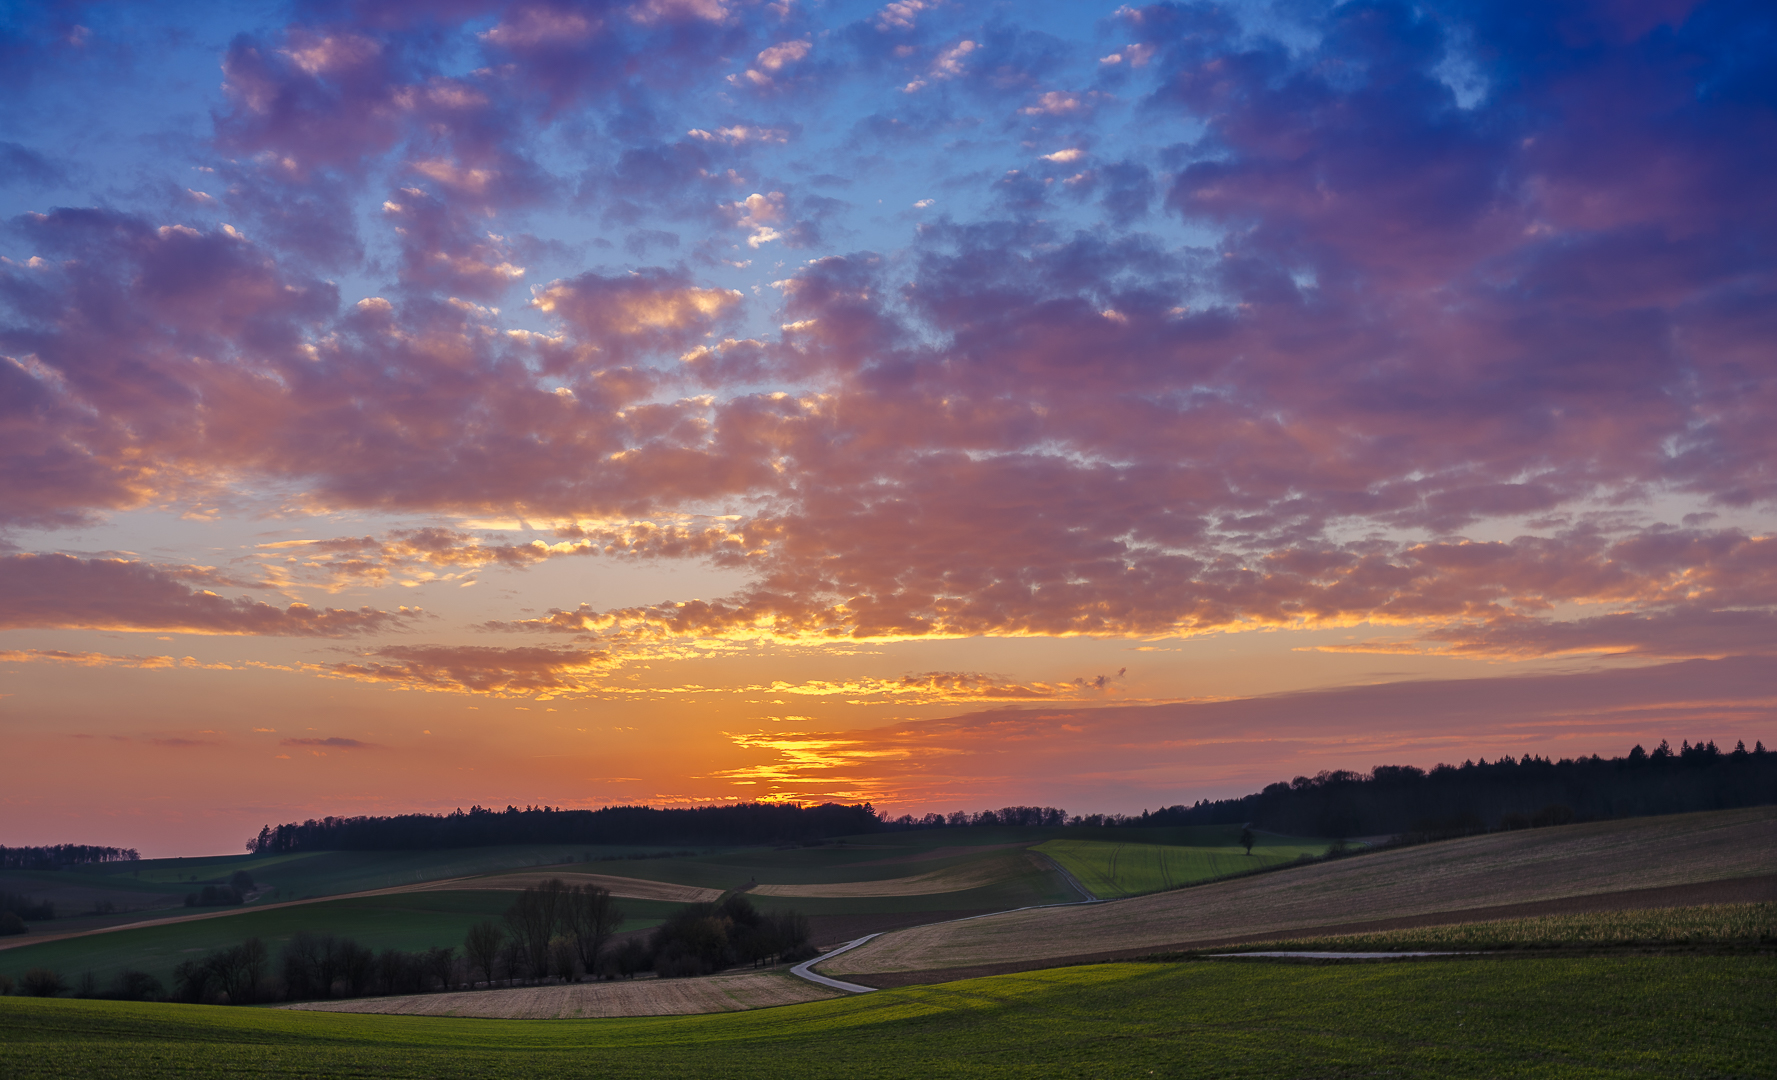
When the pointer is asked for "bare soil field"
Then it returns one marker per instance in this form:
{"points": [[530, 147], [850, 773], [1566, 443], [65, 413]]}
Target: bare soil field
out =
{"points": [[949, 852], [971, 875], [1482, 872], [633, 888], [639, 997]]}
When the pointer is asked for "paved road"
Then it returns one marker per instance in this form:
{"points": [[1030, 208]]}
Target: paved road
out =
{"points": [[806, 968], [1336, 955]]}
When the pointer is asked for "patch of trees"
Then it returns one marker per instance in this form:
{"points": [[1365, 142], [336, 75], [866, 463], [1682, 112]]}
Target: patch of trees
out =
{"points": [[747, 824], [552, 931], [1007, 815], [234, 892], [59, 856], [1509, 793], [705, 938], [22, 907]]}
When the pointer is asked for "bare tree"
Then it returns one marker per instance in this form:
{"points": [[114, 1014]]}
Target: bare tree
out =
{"points": [[589, 918], [482, 947], [441, 964], [533, 917]]}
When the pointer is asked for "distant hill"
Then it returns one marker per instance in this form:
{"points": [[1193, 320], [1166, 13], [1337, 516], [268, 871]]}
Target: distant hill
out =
{"points": [[1482, 796], [748, 824]]}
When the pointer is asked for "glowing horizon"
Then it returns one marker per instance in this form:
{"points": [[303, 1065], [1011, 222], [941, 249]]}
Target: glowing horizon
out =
{"points": [[941, 405]]}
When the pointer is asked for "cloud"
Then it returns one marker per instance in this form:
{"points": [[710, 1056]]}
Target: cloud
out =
{"points": [[60, 591], [1405, 315], [500, 672], [334, 743]]}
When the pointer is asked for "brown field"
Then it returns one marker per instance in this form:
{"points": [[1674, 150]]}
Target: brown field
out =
{"points": [[639, 997], [952, 879], [634, 888], [1478, 872], [1752, 925]]}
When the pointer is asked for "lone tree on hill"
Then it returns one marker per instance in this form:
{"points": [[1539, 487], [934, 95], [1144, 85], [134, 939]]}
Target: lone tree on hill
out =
{"points": [[1246, 840]]}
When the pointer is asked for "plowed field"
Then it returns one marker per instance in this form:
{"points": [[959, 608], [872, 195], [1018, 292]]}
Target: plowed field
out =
{"points": [[1477, 872], [640, 997], [970, 875]]}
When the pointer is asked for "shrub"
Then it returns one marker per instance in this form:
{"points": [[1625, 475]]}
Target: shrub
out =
{"points": [[5, 985], [137, 986], [10, 924], [41, 982]]}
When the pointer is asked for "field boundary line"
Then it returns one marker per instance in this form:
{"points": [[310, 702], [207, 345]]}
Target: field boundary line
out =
{"points": [[805, 969], [1066, 874]]}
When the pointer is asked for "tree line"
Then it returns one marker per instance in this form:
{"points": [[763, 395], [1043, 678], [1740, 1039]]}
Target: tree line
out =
{"points": [[59, 856], [1508, 793], [553, 932], [743, 825]]}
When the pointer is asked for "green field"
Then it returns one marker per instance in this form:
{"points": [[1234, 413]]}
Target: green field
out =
{"points": [[407, 921], [330, 873], [1591, 1017], [1116, 868]]}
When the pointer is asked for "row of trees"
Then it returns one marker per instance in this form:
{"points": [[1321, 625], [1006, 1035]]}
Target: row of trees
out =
{"points": [[1479, 796], [747, 824], [556, 930], [552, 931], [61, 856], [1390, 799], [1008, 815], [234, 892], [703, 938]]}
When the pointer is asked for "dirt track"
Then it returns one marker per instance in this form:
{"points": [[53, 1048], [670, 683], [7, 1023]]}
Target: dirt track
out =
{"points": [[953, 879], [632, 888], [640, 997], [1459, 878]]}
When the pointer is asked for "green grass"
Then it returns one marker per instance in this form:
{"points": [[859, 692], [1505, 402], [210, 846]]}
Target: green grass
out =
{"points": [[1115, 868], [408, 921], [1582, 1017], [330, 873], [1704, 925]]}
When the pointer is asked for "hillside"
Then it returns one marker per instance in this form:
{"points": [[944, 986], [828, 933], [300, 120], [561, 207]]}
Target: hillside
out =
{"points": [[1448, 878]]}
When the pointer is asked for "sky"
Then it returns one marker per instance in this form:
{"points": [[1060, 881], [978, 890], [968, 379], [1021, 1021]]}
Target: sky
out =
{"points": [[416, 405]]}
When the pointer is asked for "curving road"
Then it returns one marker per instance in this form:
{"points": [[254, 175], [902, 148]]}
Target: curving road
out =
{"points": [[806, 968]]}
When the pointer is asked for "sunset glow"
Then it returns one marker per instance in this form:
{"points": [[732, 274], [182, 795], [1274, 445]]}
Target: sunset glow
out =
{"points": [[409, 406]]}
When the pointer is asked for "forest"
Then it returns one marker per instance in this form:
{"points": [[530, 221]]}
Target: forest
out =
{"points": [[1391, 800], [1482, 796], [745, 825]]}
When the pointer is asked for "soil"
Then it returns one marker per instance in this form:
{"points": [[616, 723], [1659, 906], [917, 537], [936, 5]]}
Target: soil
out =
{"points": [[1665, 861], [951, 879], [1733, 891], [624, 997], [946, 853], [634, 888], [832, 931]]}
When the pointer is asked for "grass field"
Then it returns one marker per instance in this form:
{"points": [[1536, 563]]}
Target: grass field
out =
{"points": [[1114, 869], [1590, 1017], [408, 921], [1704, 925], [321, 873], [1475, 872]]}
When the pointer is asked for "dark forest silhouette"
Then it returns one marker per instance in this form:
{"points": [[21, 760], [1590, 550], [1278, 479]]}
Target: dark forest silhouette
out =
{"points": [[1403, 800], [60, 856], [728, 826], [1482, 796]]}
